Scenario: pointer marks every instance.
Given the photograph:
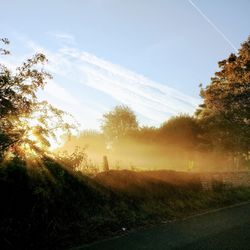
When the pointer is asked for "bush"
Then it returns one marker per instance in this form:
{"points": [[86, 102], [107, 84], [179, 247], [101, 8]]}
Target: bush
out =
{"points": [[50, 206]]}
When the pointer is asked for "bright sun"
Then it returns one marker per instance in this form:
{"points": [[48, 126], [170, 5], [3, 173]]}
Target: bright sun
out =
{"points": [[40, 138]]}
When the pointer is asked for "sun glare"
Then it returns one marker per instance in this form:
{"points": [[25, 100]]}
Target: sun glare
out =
{"points": [[38, 139], [56, 143]]}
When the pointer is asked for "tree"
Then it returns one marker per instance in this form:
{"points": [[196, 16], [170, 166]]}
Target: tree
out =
{"points": [[119, 122], [145, 134], [182, 130], [225, 112], [25, 123]]}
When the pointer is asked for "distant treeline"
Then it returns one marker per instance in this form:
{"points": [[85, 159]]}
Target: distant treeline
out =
{"points": [[217, 136]]}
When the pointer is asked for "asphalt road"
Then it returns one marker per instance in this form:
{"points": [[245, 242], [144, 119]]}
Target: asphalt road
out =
{"points": [[222, 229]]}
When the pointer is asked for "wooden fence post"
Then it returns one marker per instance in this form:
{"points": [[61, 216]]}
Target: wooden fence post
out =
{"points": [[105, 163]]}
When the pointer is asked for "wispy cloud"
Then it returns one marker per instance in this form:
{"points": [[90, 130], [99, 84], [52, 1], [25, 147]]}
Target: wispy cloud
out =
{"points": [[150, 100], [63, 37]]}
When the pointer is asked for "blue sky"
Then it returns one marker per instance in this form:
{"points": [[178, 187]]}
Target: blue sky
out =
{"points": [[150, 55]]}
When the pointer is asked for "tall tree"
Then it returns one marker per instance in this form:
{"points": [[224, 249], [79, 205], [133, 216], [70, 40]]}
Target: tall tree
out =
{"points": [[119, 122], [225, 112], [182, 130], [26, 124]]}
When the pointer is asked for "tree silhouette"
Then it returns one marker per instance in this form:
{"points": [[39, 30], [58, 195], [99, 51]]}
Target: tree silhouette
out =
{"points": [[182, 130], [25, 123], [119, 122]]}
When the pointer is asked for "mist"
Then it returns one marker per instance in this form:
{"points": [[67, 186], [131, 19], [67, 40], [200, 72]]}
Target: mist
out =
{"points": [[138, 155]]}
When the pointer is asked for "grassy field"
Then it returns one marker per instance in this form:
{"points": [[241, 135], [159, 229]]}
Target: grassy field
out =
{"points": [[48, 206]]}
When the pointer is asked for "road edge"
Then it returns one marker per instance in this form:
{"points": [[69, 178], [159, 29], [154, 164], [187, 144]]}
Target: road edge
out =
{"points": [[210, 211]]}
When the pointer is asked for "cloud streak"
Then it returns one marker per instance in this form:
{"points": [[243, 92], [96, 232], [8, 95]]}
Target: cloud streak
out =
{"points": [[212, 24], [152, 101], [148, 98]]}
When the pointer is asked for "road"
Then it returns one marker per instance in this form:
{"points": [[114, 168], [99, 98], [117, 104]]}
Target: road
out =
{"points": [[227, 228]]}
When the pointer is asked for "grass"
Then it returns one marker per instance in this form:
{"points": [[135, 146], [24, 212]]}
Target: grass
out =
{"points": [[48, 206]]}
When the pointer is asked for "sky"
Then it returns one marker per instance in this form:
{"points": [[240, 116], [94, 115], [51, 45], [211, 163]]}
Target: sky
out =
{"points": [[148, 54]]}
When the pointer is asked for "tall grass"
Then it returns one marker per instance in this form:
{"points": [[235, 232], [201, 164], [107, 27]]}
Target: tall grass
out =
{"points": [[49, 206]]}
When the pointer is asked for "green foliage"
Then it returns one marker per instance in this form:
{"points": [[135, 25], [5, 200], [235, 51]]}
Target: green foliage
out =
{"points": [[49, 206], [77, 160], [225, 113], [25, 123], [4, 51], [146, 134], [182, 130], [73, 160], [42, 203], [119, 122]]}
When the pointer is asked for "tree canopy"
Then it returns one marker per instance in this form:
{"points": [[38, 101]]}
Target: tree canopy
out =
{"points": [[27, 124], [182, 130], [225, 112], [119, 122]]}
